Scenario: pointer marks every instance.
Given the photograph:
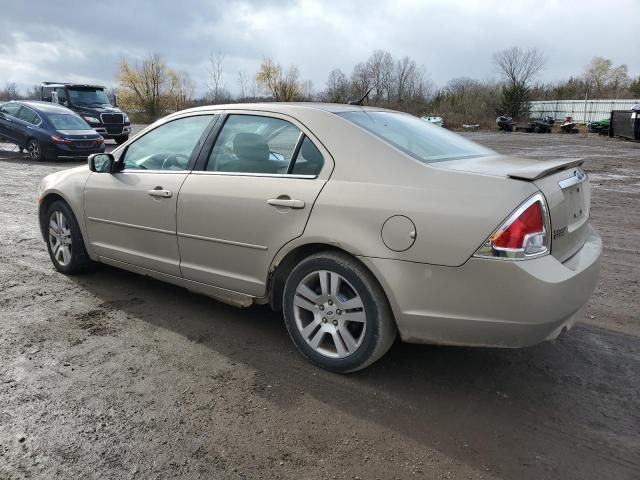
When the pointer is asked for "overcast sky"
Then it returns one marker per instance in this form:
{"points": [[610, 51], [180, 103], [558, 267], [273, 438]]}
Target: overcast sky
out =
{"points": [[83, 41]]}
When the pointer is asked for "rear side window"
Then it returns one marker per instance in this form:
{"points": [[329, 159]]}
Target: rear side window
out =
{"points": [[29, 116], [65, 121], [418, 138], [309, 160], [10, 109], [254, 144]]}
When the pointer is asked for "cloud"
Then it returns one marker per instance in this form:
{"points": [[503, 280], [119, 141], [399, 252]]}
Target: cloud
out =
{"points": [[84, 41]]}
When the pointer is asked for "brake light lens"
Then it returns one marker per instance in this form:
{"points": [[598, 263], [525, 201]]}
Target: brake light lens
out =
{"points": [[59, 140], [99, 140], [523, 235]]}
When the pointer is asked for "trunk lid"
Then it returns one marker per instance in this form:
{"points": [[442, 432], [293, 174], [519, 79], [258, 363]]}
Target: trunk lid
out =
{"points": [[563, 183]]}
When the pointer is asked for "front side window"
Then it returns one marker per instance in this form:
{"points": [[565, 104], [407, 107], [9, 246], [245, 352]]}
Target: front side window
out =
{"points": [[66, 121], [29, 116], [10, 109], [420, 139], [254, 144], [167, 147]]}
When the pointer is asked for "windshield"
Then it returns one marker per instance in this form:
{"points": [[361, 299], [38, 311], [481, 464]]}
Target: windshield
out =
{"points": [[423, 141], [87, 97], [66, 121]]}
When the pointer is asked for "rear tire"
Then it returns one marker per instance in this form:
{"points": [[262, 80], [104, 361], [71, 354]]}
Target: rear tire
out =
{"points": [[121, 139], [336, 312], [64, 240], [34, 149]]}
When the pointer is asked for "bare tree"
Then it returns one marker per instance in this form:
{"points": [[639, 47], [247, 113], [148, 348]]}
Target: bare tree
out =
{"points": [[380, 70], [9, 92], [217, 91], [242, 82], [181, 90], [145, 86], [619, 79], [33, 93], [597, 74], [360, 81], [518, 68], [282, 86], [337, 89]]}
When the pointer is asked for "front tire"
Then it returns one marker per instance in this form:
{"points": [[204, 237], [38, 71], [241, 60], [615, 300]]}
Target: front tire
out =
{"points": [[336, 313], [64, 240]]}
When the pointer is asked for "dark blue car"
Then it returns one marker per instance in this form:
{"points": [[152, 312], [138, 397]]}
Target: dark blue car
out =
{"points": [[48, 131]]}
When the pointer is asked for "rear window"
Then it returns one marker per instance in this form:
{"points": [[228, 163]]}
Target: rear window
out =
{"points": [[65, 121], [423, 141]]}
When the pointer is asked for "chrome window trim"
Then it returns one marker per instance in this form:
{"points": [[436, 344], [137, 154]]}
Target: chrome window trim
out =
{"points": [[249, 174], [142, 170]]}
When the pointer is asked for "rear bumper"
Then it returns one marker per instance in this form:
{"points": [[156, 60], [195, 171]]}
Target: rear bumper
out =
{"points": [[64, 152], [489, 302]]}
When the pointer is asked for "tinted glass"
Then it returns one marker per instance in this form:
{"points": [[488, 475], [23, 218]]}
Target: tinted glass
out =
{"points": [[28, 116], [254, 144], [66, 121], [167, 147], [10, 109], [309, 160], [418, 138], [87, 97]]}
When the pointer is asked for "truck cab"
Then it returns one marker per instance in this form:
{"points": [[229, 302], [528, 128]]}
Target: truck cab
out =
{"points": [[91, 103]]}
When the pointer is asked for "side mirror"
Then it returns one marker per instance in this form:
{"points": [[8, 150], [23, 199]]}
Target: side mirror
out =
{"points": [[54, 97], [101, 162], [115, 100]]}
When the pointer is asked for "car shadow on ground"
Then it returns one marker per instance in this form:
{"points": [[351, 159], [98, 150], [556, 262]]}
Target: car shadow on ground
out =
{"points": [[576, 394]]}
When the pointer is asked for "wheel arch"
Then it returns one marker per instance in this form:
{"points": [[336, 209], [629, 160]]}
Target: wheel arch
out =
{"points": [[286, 261], [45, 202]]}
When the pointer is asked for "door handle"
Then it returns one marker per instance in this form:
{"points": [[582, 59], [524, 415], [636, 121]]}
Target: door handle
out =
{"points": [[286, 202], [159, 192]]}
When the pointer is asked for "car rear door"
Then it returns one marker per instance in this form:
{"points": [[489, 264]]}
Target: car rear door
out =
{"points": [[131, 214], [250, 196]]}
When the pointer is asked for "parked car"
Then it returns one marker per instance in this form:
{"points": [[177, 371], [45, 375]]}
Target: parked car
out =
{"points": [[356, 222], [48, 131], [92, 103]]}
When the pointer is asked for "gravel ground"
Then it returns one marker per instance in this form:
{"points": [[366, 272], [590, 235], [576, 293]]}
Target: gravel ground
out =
{"points": [[109, 375]]}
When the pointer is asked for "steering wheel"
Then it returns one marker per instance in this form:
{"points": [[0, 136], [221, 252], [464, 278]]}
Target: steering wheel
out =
{"points": [[172, 160]]}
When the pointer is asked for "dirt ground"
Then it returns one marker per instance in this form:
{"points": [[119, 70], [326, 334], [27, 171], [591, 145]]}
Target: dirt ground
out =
{"points": [[111, 375]]}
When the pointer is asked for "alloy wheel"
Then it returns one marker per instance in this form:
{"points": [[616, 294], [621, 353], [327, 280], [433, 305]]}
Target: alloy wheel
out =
{"points": [[34, 150], [329, 314], [60, 238]]}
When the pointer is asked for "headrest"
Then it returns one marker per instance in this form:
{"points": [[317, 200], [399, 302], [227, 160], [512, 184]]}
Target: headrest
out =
{"points": [[251, 147]]}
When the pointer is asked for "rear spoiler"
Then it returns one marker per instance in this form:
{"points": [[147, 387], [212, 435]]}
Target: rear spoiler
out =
{"points": [[541, 169]]}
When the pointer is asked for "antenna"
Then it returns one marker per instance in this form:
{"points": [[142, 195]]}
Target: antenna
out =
{"points": [[359, 102]]}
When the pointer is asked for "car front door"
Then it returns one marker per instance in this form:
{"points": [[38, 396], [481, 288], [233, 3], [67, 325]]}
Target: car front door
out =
{"points": [[250, 196], [9, 121], [131, 214]]}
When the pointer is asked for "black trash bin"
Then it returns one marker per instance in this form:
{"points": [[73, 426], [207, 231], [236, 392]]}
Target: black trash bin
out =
{"points": [[625, 123]]}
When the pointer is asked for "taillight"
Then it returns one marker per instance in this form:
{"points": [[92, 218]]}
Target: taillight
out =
{"points": [[523, 235], [59, 140], [99, 140]]}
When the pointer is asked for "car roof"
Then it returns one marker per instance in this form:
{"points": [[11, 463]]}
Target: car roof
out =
{"points": [[43, 107], [290, 107]]}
